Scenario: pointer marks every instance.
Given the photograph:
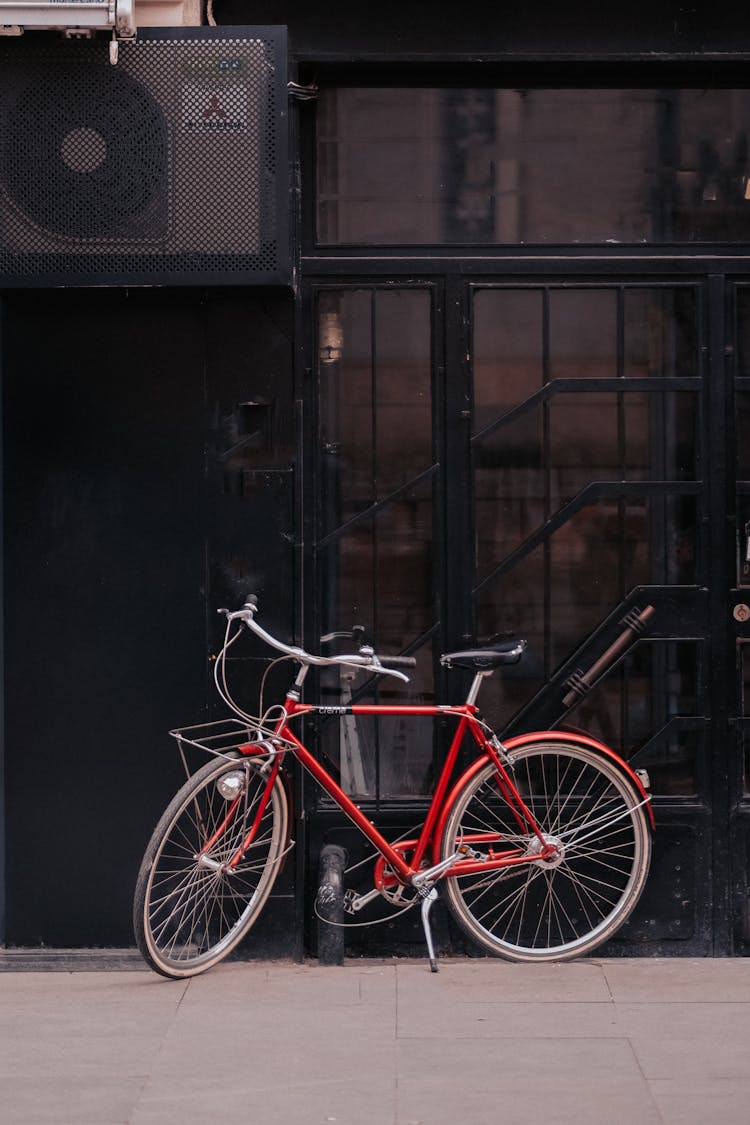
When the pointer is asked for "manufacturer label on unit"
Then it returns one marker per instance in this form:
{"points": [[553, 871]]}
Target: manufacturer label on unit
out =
{"points": [[209, 108]]}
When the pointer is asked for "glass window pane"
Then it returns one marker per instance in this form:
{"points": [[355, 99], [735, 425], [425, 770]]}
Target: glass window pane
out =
{"points": [[346, 422], [655, 689], [508, 351], [582, 333], [744, 660], [659, 337], [410, 166], [374, 350], [743, 332], [563, 530], [402, 418], [375, 546], [583, 441], [388, 757], [513, 606]]}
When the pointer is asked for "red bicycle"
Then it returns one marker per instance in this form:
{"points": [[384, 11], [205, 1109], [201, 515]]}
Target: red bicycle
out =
{"points": [[541, 847]]}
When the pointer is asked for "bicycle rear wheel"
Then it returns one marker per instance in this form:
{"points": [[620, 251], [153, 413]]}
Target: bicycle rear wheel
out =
{"points": [[191, 908], [551, 910]]}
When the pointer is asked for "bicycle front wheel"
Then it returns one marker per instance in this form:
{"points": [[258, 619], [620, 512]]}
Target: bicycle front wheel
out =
{"points": [[202, 884], [550, 910]]}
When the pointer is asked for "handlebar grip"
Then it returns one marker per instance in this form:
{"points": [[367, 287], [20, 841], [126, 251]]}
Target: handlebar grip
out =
{"points": [[397, 661]]}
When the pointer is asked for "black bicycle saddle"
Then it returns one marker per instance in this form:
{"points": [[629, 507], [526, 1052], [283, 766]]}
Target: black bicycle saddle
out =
{"points": [[483, 659]]}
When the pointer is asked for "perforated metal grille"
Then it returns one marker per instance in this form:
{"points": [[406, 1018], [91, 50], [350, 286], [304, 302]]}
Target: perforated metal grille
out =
{"points": [[169, 167]]}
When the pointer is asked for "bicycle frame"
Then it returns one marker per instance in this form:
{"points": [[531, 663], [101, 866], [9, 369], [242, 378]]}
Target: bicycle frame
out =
{"points": [[490, 750], [414, 872], [393, 869]]}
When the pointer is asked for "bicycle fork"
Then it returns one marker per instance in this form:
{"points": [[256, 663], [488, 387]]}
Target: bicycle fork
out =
{"points": [[203, 859]]}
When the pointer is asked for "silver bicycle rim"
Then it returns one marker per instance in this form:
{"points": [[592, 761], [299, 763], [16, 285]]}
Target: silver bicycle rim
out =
{"points": [[537, 911], [195, 914]]}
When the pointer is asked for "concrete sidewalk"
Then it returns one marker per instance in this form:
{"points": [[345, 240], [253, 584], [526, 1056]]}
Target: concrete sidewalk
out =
{"points": [[380, 1043]]}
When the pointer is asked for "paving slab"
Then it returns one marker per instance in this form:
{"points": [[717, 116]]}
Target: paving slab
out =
{"points": [[378, 1042], [489, 979], [695, 1101], [686, 980], [689, 1040], [69, 1101], [554, 1080]]}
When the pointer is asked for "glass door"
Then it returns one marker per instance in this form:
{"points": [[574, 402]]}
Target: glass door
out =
{"points": [[589, 513], [544, 459], [378, 522]]}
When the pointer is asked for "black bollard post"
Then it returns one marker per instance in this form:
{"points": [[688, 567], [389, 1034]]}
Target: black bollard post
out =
{"points": [[329, 905]]}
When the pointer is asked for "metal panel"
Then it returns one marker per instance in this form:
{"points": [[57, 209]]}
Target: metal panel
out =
{"points": [[168, 168], [129, 518]]}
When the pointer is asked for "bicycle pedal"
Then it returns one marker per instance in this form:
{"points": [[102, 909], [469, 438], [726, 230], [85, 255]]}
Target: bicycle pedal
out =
{"points": [[350, 899]]}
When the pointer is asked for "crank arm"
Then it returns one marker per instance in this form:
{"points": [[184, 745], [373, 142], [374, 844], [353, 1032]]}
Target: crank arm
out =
{"points": [[430, 874], [353, 902]]}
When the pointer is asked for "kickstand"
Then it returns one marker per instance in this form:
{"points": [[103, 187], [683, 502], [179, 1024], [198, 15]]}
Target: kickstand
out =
{"points": [[427, 902]]}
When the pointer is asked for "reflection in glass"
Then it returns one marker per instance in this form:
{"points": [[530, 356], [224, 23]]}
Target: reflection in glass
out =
{"points": [[375, 398], [378, 758], [579, 443], [582, 333], [744, 659], [659, 337], [508, 351], [742, 423], [509, 489], [383, 568], [375, 543], [428, 166], [512, 606], [743, 331], [742, 437], [654, 690]]}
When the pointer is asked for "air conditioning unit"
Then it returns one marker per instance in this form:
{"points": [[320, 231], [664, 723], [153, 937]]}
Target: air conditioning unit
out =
{"points": [[88, 17], [169, 168], [16, 16]]}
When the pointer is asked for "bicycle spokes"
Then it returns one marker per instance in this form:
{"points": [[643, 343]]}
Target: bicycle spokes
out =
{"points": [[575, 879]]}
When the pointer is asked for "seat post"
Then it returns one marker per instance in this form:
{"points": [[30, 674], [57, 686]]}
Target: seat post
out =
{"points": [[476, 683]]}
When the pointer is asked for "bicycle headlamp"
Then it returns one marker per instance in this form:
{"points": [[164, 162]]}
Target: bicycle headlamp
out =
{"points": [[231, 785]]}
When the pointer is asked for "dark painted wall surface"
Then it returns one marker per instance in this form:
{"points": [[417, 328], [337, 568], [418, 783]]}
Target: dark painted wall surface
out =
{"points": [[485, 28], [126, 525]]}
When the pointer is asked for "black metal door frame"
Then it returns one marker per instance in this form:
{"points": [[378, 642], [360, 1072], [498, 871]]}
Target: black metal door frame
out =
{"points": [[727, 629], [714, 822], [717, 473], [736, 617], [692, 830]]}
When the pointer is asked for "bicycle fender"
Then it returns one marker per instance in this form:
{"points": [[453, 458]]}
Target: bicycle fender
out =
{"points": [[530, 739], [592, 744]]}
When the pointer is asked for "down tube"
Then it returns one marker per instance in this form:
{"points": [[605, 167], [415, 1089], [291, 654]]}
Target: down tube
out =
{"points": [[347, 806]]}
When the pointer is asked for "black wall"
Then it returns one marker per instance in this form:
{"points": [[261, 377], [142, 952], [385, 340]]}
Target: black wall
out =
{"points": [[483, 29], [127, 521]]}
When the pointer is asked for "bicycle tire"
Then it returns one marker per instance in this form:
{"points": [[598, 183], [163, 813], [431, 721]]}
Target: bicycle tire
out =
{"points": [[187, 915], [555, 911]]}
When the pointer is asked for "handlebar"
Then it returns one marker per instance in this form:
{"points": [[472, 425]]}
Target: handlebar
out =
{"points": [[366, 658]]}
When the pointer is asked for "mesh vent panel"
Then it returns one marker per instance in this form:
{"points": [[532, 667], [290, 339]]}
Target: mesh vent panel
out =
{"points": [[170, 167]]}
